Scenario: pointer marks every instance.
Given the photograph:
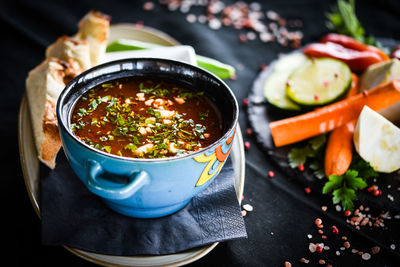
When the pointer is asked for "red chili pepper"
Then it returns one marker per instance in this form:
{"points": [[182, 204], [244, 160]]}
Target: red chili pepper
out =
{"points": [[356, 60], [351, 43]]}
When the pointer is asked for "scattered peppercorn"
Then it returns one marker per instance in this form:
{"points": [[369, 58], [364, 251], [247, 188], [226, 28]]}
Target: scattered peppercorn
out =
{"points": [[377, 192], [247, 145], [301, 167], [264, 67], [249, 131]]}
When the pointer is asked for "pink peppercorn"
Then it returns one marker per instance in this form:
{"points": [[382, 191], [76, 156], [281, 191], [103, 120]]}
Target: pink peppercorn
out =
{"points": [[139, 24], [242, 38], [247, 145], [271, 174], [307, 190], [249, 131], [245, 102], [347, 213], [370, 189], [319, 249], [301, 167], [335, 230], [264, 66], [377, 192]]}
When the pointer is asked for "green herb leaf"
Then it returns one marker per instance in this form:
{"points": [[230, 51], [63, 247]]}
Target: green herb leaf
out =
{"points": [[365, 171], [343, 20], [318, 168], [82, 112], [107, 148], [344, 188], [131, 147], [345, 196], [300, 155], [297, 156], [318, 141], [356, 182], [335, 182]]}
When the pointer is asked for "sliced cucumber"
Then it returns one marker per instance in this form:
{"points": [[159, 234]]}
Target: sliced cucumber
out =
{"points": [[319, 82], [275, 85], [223, 71]]}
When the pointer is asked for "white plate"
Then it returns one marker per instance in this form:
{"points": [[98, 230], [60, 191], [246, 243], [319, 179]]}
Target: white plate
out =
{"points": [[183, 53], [30, 167]]}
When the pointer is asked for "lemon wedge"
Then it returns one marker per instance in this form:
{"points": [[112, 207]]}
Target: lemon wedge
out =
{"points": [[377, 141]]}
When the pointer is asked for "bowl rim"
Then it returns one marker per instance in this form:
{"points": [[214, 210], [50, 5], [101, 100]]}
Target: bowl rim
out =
{"points": [[71, 84]]}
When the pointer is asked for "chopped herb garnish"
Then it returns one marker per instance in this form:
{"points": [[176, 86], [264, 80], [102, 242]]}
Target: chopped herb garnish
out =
{"points": [[344, 187], [107, 148], [82, 112], [203, 116], [131, 147], [120, 122], [103, 138]]}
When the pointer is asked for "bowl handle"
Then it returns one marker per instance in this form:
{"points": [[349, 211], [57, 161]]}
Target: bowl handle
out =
{"points": [[137, 179]]}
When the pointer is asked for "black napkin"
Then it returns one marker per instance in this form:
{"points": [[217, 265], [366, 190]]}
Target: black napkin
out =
{"points": [[73, 216]]}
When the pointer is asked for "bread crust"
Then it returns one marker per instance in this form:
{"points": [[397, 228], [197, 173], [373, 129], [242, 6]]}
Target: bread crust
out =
{"points": [[72, 50], [44, 84], [65, 58], [94, 28], [51, 143]]}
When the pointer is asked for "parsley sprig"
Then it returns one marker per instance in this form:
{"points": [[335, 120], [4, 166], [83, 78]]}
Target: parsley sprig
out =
{"points": [[313, 152], [344, 187]]}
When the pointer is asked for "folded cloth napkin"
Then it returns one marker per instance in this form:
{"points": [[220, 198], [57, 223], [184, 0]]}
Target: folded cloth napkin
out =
{"points": [[73, 216]]}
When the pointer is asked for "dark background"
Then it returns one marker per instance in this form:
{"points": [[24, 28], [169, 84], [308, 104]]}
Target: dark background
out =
{"points": [[280, 205]]}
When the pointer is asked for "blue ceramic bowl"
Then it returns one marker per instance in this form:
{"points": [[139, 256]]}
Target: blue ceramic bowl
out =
{"points": [[147, 188]]}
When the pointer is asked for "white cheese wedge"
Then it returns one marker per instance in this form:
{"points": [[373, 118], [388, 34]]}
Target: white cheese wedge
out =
{"points": [[377, 140]]}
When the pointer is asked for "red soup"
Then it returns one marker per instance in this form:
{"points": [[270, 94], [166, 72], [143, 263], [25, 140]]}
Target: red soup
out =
{"points": [[145, 118]]}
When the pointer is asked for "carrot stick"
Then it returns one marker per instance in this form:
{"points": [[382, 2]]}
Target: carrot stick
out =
{"points": [[354, 86], [295, 129], [339, 148]]}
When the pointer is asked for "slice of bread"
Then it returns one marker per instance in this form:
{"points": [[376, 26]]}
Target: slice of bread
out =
{"points": [[71, 50], [43, 86], [94, 28], [66, 58]]}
